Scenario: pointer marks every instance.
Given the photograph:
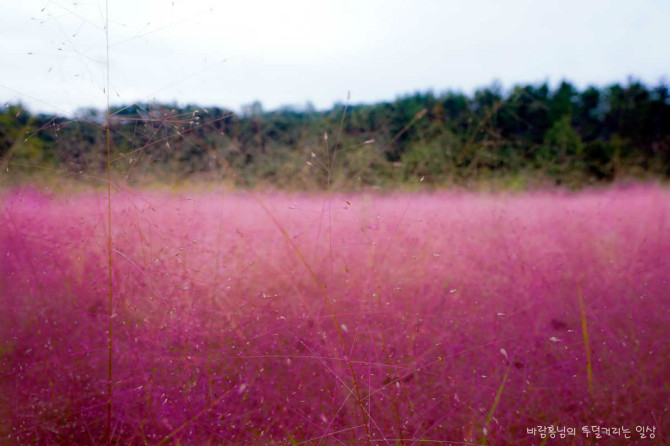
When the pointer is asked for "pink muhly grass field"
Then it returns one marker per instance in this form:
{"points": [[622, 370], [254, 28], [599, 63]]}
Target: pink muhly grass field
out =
{"points": [[463, 316]]}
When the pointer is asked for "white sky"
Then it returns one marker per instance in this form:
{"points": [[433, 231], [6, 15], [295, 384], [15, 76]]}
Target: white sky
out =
{"points": [[288, 52]]}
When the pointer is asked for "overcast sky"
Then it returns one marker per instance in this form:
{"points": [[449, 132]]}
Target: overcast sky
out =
{"points": [[288, 52]]}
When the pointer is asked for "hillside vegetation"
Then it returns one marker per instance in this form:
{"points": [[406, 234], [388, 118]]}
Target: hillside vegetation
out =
{"points": [[529, 134]]}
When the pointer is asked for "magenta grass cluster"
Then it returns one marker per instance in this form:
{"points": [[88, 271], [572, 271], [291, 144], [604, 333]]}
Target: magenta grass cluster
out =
{"points": [[465, 318]]}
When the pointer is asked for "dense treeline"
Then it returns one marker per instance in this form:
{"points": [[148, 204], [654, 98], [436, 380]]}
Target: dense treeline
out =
{"points": [[562, 135]]}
